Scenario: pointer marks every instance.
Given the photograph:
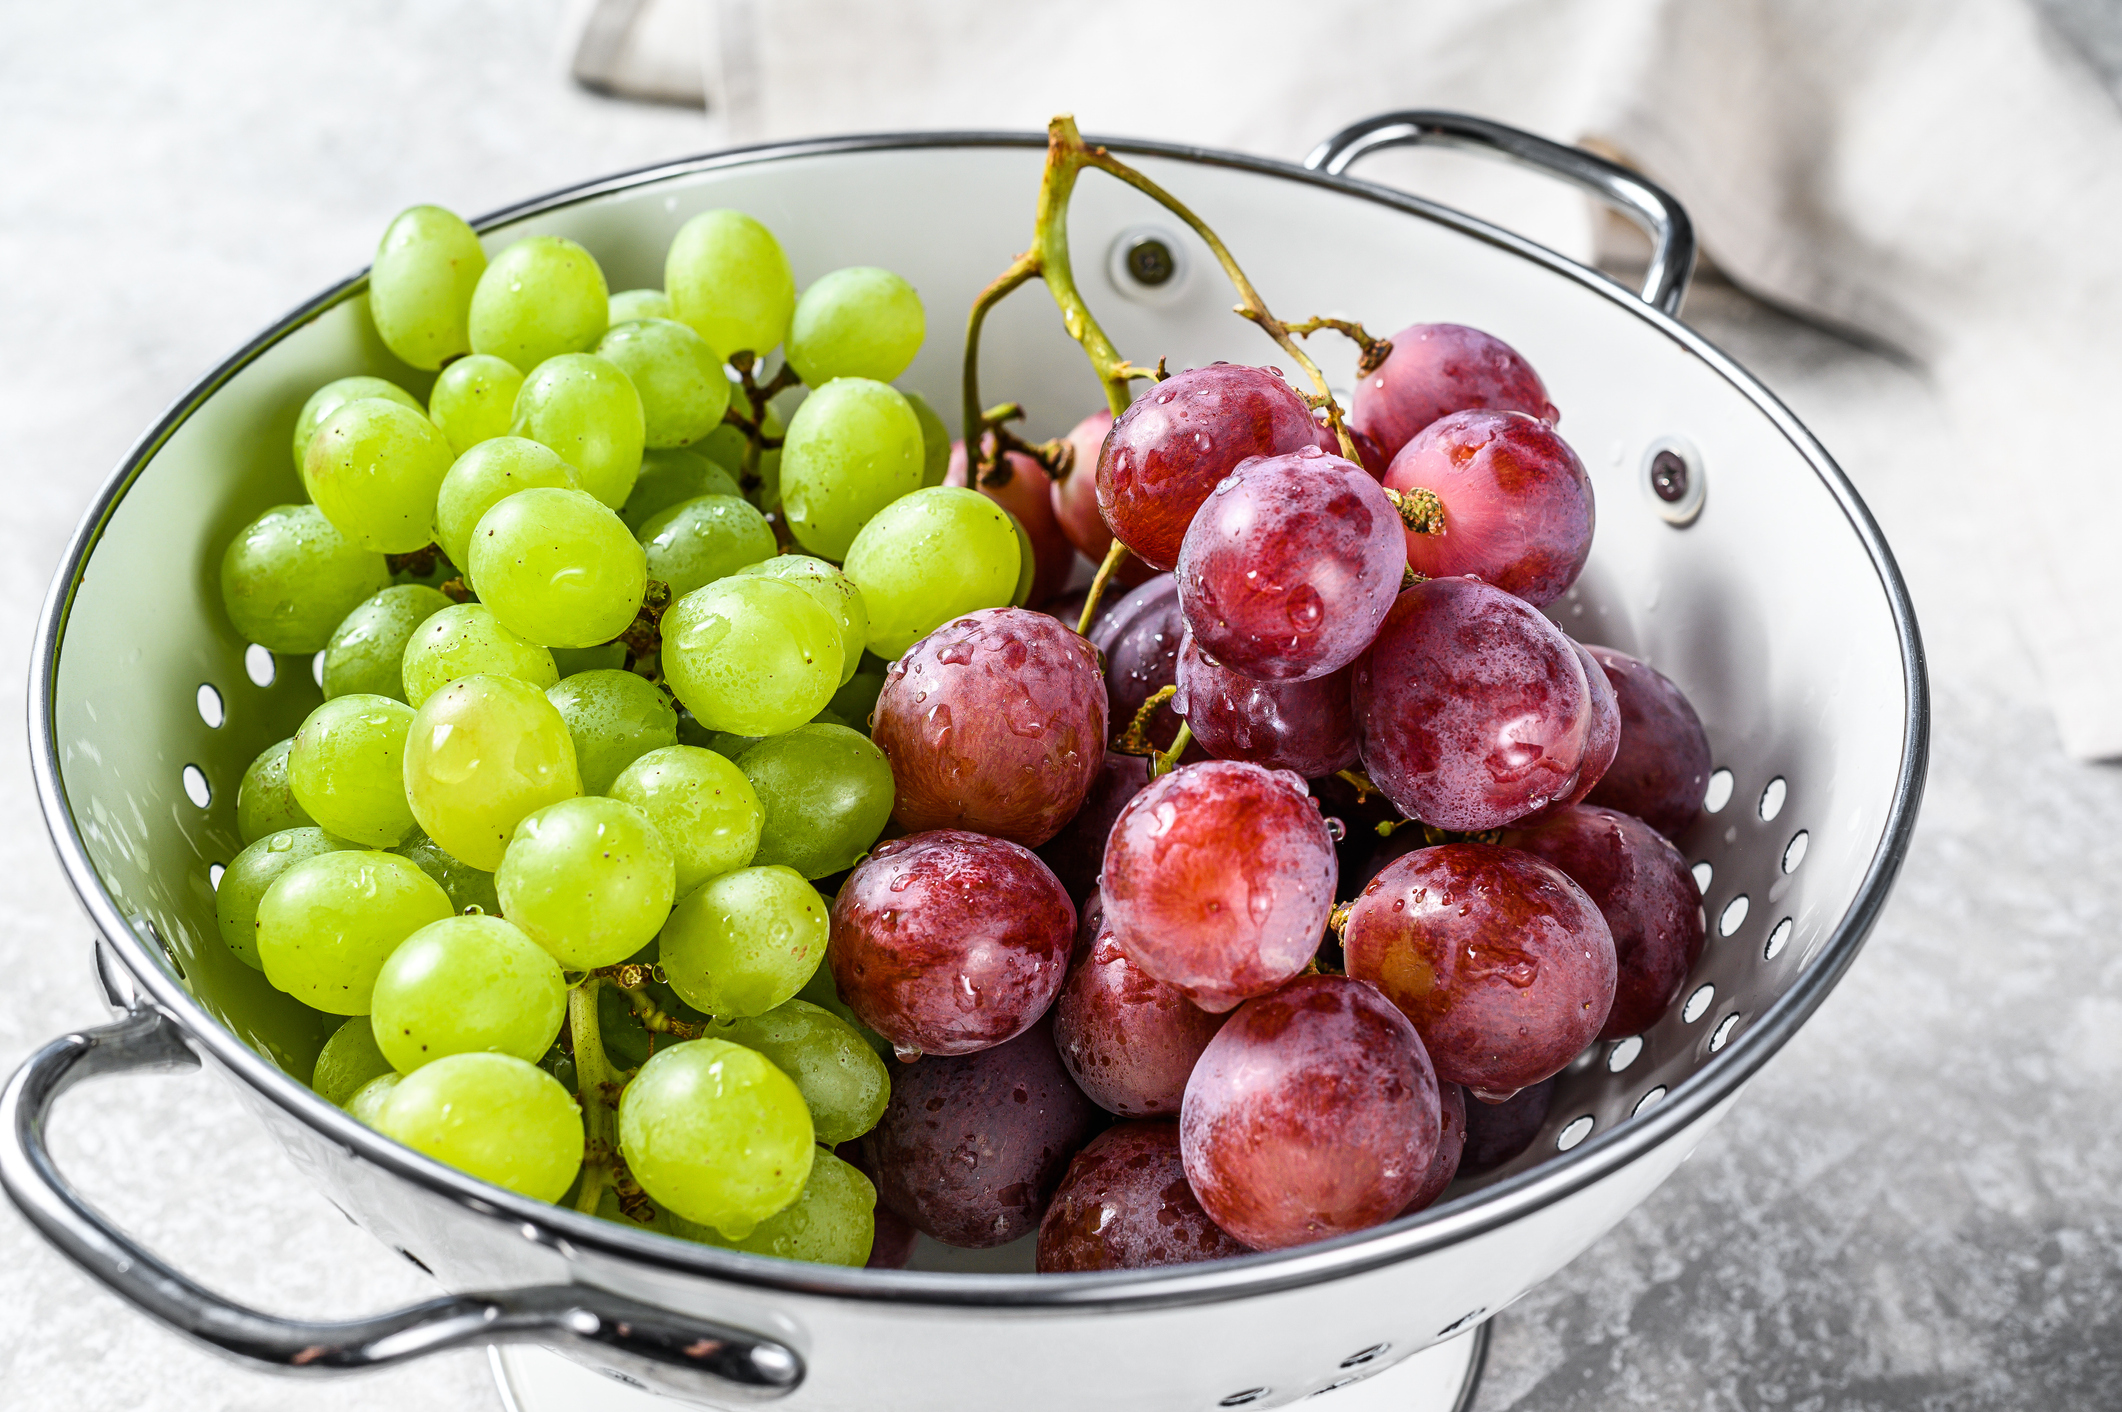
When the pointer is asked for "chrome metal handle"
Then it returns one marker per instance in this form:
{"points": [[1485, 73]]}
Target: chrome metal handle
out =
{"points": [[1650, 206], [713, 1360]]}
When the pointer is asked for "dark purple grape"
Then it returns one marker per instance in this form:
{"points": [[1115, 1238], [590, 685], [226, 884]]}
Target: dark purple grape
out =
{"points": [[1662, 767], [1290, 565], [1130, 1041], [1641, 885], [970, 1148], [993, 722], [1077, 853], [1125, 1205], [1139, 639], [1451, 1147], [1219, 879], [1517, 504], [1183, 436], [1504, 965], [1020, 485], [892, 1243], [1305, 726], [1313, 1113], [949, 942], [1472, 709], [1075, 498], [1497, 1132], [1437, 369], [1369, 454]]}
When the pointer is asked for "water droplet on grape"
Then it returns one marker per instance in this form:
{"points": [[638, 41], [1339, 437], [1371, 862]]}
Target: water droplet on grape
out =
{"points": [[1336, 830]]}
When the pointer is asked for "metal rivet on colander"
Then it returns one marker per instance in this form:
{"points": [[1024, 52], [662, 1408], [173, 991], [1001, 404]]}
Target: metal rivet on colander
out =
{"points": [[1147, 264], [210, 708], [1673, 480], [1239, 1399], [1794, 851], [1357, 1360], [1150, 261], [258, 665], [1777, 939]]}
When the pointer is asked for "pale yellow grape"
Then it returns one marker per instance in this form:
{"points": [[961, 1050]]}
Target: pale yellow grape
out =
{"points": [[366, 1106], [717, 1134], [702, 803], [836, 594], [367, 649], [586, 410], [483, 753], [486, 475], [336, 394], [832, 1223], [742, 943], [860, 322], [936, 554], [683, 388], [615, 717], [935, 440], [558, 568], [466, 640], [420, 287], [327, 924], [253, 871], [696, 541], [466, 985], [541, 297], [727, 277], [630, 304], [349, 1062], [494, 1116], [668, 477], [588, 879], [751, 655], [374, 468], [346, 768], [290, 576], [853, 447], [475, 400]]}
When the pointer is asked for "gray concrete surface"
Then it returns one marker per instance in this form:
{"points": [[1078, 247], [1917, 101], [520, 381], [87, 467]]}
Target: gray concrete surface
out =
{"points": [[1914, 1208]]}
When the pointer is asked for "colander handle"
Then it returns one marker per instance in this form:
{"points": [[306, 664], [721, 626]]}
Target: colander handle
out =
{"points": [[1650, 206], [724, 1363]]}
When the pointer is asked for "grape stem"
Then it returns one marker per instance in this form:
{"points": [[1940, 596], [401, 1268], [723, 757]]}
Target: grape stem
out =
{"points": [[420, 563], [652, 1017], [643, 637], [756, 398], [1168, 761], [595, 1083], [1134, 740], [1372, 352], [1364, 788], [1420, 510], [1113, 557], [456, 590]]}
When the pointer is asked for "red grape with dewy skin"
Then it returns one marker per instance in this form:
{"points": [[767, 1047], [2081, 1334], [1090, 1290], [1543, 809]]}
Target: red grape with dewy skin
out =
{"points": [[1451, 1146], [1601, 742], [1183, 436], [971, 1148], [950, 942], [994, 722], [1077, 853], [1020, 485], [1130, 1041], [1503, 964], [1641, 885], [1290, 565], [1313, 1113], [1472, 709], [1125, 1205], [1305, 726], [1219, 879], [1369, 454], [1435, 370], [1517, 504], [1075, 500], [1662, 768]]}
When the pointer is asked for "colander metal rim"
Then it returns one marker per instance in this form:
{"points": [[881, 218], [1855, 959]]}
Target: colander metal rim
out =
{"points": [[571, 1232]]}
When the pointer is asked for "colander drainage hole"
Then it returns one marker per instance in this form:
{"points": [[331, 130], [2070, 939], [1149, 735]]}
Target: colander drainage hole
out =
{"points": [[1772, 798], [1703, 873], [1357, 1360], [1777, 940], [1698, 1003], [214, 872], [1648, 1101], [1240, 1399], [1578, 1130], [196, 788], [1733, 916], [1623, 1054], [1335, 1385], [1722, 1035], [258, 665], [316, 668], [210, 709], [1461, 1322], [1718, 794], [1794, 851]]}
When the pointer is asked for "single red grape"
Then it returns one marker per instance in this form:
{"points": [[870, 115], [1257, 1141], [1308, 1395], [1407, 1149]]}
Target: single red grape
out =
{"points": [[1077, 853], [1020, 485], [1075, 500], [950, 942], [1472, 710], [1641, 885], [1313, 1113], [1305, 726], [1451, 1147], [970, 1148], [1219, 879], [1518, 507], [1125, 1205], [1139, 638], [1290, 565], [1497, 1132], [892, 1243], [1662, 767], [1601, 742], [1437, 369], [1504, 964], [1369, 454], [1130, 1041], [994, 722], [1183, 436]]}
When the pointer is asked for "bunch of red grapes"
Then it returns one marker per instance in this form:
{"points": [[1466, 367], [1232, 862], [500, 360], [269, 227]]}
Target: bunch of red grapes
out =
{"points": [[1304, 1026]]}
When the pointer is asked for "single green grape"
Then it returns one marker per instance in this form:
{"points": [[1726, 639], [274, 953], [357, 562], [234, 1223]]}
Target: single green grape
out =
{"points": [[1026, 564], [935, 440], [933, 556], [467, 985], [347, 768], [289, 577], [724, 743], [683, 388], [336, 394], [252, 872], [474, 400], [705, 808], [264, 803], [558, 568], [367, 649], [589, 879], [750, 654], [834, 1221], [494, 1116], [668, 477], [482, 753], [727, 277], [843, 1080], [856, 701], [469, 889], [327, 923], [374, 468], [586, 409], [744, 942], [464, 640], [420, 288], [827, 793], [697, 541], [725, 445], [541, 297], [604, 657], [821, 992], [836, 594], [853, 447], [615, 717], [717, 1134], [366, 1106], [860, 322], [348, 1062], [631, 304], [485, 476]]}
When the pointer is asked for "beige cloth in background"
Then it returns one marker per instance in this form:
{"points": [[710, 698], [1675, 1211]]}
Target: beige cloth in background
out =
{"points": [[1942, 175]]}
